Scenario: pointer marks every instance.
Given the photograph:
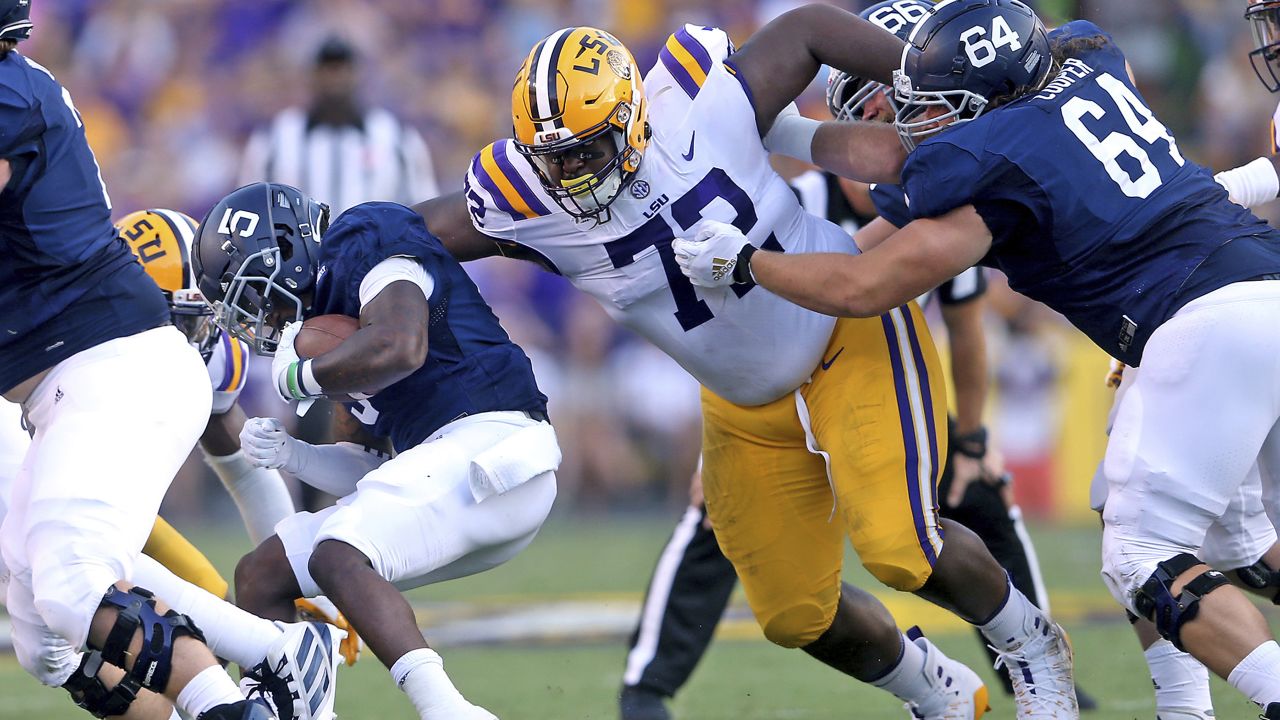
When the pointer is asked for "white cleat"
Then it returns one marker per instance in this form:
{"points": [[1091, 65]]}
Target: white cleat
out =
{"points": [[322, 609], [1041, 671], [298, 676], [958, 692]]}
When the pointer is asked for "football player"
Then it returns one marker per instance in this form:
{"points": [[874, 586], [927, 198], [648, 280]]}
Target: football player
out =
{"points": [[1020, 153], [429, 376], [805, 418], [89, 351], [160, 240], [1258, 182]]}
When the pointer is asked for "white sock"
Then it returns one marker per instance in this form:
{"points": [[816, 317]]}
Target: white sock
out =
{"points": [[1258, 674], [1014, 622], [259, 493], [231, 633], [1181, 681], [420, 673], [908, 682], [208, 689]]}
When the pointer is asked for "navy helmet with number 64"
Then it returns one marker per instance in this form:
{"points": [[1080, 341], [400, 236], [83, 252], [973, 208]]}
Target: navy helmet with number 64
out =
{"points": [[966, 58], [255, 260]]}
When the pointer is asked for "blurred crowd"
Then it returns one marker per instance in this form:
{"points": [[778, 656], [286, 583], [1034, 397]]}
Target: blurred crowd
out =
{"points": [[171, 89]]}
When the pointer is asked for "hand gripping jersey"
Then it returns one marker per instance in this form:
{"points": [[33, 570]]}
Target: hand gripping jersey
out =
{"points": [[472, 366], [1093, 209], [705, 161], [67, 282]]}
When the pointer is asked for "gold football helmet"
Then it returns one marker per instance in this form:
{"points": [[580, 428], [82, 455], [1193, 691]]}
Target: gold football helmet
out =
{"points": [[577, 85], [161, 240]]}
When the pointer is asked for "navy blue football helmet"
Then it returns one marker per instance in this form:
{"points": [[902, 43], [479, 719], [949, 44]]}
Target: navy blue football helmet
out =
{"points": [[255, 260], [847, 94], [1264, 18], [965, 58], [15, 19]]}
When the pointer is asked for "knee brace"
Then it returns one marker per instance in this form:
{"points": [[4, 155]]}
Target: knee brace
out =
{"points": [[90, 693], [137, 609], [1259, 576], [1157, 603]]}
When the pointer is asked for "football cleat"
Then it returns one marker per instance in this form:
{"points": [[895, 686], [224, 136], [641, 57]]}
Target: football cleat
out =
{"points": [[637, 703], [957, 692], [322, 609], [298, 677], [1041, 672], [243, 710]]}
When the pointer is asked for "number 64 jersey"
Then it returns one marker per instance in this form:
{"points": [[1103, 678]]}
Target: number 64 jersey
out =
{"points": [[1093, 209], [705, 161]]}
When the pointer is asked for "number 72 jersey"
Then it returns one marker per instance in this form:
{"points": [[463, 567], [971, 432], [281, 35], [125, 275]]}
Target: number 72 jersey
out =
{"points": [[1092, 207], [704, 161]]}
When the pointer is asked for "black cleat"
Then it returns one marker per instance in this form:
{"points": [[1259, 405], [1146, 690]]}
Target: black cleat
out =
{"points": [[1271, 713], [243, 710], [637, 703]]}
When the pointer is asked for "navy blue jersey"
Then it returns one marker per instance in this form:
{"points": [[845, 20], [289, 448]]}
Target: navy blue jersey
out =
{"points": [[1092, 207], [472, 366], [891, 204], [67, 283]]}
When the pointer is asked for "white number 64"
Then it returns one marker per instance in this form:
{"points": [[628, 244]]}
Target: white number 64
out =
{"points": [[982, 51]]}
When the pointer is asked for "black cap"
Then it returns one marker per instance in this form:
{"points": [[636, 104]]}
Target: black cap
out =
{"points": [[335, 50]]}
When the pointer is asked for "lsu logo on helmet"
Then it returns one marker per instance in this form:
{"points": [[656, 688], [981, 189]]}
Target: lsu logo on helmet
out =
{"points": [[161, 240], [577, 85]]}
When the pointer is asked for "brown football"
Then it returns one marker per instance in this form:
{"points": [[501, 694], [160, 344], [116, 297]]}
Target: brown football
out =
{"points": [[323, 333]]}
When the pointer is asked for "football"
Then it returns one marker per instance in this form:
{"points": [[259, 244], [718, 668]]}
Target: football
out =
{"points": [[323, 333]]}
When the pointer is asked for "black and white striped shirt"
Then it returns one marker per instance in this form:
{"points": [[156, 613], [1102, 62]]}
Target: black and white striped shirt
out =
{"points": [[343, 165]]}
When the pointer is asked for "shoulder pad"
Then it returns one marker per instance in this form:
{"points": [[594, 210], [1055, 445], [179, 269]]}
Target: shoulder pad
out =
{"points": [[690, 54], [502, 189]]}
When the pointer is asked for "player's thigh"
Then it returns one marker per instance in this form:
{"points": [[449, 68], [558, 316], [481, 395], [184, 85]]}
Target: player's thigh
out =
{"points": [[417, 513], [770, 503], [879, 412], [1172, 470], [1244, 532]]}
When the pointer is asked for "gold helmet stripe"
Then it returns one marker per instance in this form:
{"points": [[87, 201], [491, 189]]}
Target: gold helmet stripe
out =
{"points": [[542, 82]]}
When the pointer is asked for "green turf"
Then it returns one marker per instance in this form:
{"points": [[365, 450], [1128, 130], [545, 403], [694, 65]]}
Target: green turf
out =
{"points": [[742, 678]]}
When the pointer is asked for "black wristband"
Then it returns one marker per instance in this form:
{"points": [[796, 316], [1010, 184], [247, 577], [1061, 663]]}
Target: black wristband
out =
{"points": [[742, 270], [971, 445]]}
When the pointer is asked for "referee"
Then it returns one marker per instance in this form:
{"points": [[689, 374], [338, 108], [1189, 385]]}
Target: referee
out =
{"points": [[336, 149]]}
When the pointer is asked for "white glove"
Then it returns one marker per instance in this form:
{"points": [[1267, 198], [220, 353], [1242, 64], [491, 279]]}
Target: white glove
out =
{"points": [[710, 258], [294, 378], [267, 445]]}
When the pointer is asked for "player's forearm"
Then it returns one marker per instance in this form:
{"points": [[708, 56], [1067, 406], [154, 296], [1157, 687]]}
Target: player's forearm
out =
{"points": [[968, 362], [783, 57], [222, 435], [869, 152], [334, 468], [829, 283], [374, 358], [1254, 183]]}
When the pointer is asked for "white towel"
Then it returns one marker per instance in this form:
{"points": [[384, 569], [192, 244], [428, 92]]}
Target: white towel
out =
{"points": [[514, 460]]}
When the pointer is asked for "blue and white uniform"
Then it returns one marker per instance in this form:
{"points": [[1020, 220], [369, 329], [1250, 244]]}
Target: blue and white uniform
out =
{"points": [[1095, 212], [125, 397], [427, 514]]}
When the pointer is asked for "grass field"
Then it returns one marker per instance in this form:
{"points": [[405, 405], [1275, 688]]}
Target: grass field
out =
{"points": [[604, 565]]}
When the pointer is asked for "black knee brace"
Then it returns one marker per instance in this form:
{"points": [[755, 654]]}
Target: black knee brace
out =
{"points": [[138, 610], [90, 693], [1157, 603], [1259, 576]]}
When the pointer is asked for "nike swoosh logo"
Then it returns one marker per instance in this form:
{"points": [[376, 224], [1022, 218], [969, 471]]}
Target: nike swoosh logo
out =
{"points": [[692, 138], [826, 364]]}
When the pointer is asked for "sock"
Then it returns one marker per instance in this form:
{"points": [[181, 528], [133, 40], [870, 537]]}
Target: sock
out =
{"points": [[208, 689], [1181, 681], [259, 493], [231, 633], [907, 680], [420, 673], [1258, 675], [1013, 623]]}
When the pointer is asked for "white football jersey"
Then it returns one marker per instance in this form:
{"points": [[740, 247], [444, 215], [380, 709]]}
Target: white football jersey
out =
{"points": [[705, 161]]}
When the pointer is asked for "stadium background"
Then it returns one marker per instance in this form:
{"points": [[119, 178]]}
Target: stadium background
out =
{"points": [[171, 89]]}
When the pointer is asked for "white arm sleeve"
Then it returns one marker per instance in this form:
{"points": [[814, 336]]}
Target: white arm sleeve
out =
{"points": [[334, 468], [1251, 184], [392, 269]]}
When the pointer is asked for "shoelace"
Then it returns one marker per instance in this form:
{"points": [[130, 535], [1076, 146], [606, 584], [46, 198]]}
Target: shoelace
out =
{"points": [[1025, 689], [268, 684]]}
